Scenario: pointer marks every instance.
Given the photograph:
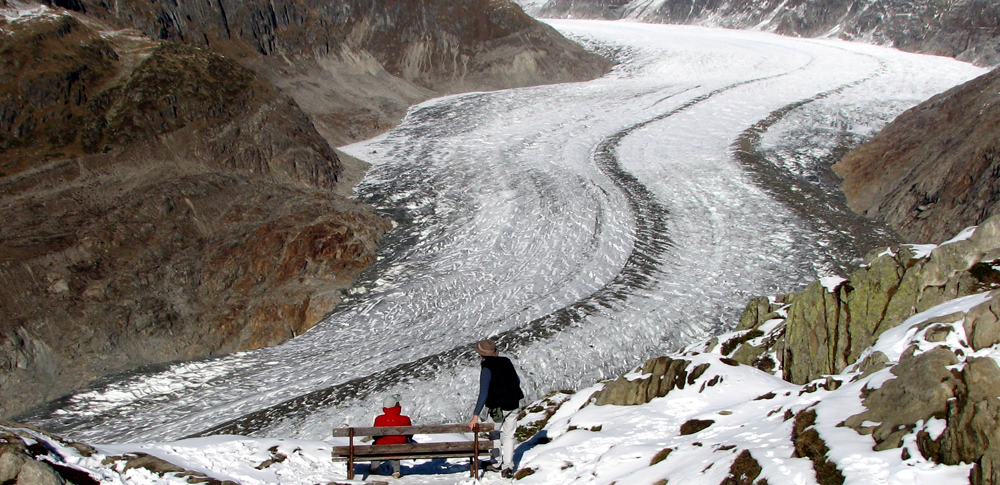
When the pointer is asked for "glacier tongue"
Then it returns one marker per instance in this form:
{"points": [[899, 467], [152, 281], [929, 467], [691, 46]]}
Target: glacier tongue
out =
{"points": [[588, 225]]}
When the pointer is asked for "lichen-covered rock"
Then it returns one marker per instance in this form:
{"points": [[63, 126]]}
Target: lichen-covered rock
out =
{"points": [[654, 379], [757, 311], [973, 431], [921, 390], [815, 334], [827, 329]]}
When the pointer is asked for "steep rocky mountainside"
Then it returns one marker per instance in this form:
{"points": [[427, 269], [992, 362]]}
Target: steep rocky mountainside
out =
{"points": [[355, 66], [936, 168], [169, 189], [967, 30], [159, 202]]}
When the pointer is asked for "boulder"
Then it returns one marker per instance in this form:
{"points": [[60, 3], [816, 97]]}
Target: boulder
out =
{"points": [[920, 391], [973, 431], [655, 378]]}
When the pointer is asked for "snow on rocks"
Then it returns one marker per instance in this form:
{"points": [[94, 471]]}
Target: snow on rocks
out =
{"points": [[915, 407]]}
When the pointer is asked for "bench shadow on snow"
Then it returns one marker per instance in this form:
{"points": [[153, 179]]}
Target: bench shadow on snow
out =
{"points": [[441, 466], [436, 466]]}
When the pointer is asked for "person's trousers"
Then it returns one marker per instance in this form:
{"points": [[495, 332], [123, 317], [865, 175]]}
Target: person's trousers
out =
{"points": [[375, 464], [504, 446]]}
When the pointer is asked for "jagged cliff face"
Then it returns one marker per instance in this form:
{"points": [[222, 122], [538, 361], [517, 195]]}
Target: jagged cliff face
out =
{"points": [[355, 66], [831, 327], [936, 168], [966, 30]]}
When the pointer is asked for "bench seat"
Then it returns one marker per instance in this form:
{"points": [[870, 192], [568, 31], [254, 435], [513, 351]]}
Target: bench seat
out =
{"points": [[410, 451]]}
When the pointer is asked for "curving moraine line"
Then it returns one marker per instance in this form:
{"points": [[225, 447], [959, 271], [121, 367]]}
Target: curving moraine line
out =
{"points": [[821, 203]]}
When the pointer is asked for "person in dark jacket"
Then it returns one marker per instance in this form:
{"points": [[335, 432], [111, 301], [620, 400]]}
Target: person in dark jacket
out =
{"points": [[500, 391], [392, 415]]}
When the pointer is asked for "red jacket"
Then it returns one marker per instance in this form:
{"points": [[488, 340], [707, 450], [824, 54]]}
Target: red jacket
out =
{"points": [[392, 417]]}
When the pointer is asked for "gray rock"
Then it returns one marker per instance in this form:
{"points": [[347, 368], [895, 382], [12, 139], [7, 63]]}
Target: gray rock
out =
{"points": [[11, 461], [921, 390], [973, 431], [38, 473]]}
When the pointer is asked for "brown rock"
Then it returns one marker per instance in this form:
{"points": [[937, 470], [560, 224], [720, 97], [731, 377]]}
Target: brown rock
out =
{"points": [[932, 171]]}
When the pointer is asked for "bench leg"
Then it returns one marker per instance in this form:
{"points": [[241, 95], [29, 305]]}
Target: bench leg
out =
{"points": [[475, 453], [350, 469]]}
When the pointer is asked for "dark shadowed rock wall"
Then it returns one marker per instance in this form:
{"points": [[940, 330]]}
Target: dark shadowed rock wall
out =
{"points": [[936, 168]]}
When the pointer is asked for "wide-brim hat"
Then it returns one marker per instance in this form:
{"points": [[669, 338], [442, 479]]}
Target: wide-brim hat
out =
{"points": [[486, 348]]}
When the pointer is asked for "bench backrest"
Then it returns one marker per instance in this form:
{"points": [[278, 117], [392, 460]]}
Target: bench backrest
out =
{"points": [[408, 430]]}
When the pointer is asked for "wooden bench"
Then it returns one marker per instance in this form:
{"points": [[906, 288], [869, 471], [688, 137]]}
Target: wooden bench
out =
{"points": [[407, 451]]}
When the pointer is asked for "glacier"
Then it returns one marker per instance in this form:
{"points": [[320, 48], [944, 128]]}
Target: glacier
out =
{"points": [[587, 226]]}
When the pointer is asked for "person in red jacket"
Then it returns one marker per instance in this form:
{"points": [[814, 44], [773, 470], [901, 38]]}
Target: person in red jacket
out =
{"points": [[391, 416]]}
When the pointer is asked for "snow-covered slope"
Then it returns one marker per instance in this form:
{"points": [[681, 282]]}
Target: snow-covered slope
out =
{"points": [[918, 406], [750, 411]]}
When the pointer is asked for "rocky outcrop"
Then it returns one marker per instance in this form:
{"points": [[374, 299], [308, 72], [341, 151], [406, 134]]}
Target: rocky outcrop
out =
{"points": [[161, 202], [830, 327], [929, 390], [655, 378], [965, 30], [830, 324], [935, 169], [945, 385]]}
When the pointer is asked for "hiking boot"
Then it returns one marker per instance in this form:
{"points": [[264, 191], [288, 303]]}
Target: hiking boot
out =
{"points": [[507, 473]]}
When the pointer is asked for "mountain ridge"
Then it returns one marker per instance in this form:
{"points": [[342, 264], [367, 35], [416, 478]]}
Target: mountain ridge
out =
{"points": [[967, 30]]}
